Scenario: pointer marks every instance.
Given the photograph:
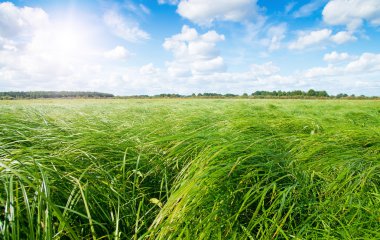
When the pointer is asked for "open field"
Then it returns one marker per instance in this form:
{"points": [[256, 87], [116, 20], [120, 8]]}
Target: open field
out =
{"points": [[189, 169]]}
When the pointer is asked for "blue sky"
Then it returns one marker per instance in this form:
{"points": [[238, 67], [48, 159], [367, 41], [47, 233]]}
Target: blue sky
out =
{"points": [[185, 46]]}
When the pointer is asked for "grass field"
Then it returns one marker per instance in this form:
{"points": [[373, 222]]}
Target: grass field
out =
{"points": [[189, 169]]}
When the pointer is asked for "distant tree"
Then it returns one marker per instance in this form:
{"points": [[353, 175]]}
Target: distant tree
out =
{"points": [[322, 94], [311, 93], [341, 95]]}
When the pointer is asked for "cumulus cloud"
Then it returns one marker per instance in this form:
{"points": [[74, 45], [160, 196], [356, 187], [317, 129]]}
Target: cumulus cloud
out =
{"points": [[126, 29], [330, 70], [194, 54], [21, 22], [336, 57], [366, 63], [205, 12], [149, 69], [275, 35], [307, 39], [343, 37], [352, 13], [119, 52]]}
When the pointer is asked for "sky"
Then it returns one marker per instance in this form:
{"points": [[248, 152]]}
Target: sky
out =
{"points": [[138, 47]]}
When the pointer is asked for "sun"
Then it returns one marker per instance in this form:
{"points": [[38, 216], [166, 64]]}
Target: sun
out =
{"points": [[69, 40], [63, 41]]}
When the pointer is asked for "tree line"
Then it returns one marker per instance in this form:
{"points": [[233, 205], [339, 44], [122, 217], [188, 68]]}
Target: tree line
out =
{"points": [[296, 94], [53, 94]]}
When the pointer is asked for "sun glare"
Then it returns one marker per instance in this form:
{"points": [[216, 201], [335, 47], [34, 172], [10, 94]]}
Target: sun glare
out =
{"points": [[69, 40], [63, 41]]}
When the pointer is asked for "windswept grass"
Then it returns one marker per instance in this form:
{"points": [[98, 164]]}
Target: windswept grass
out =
{"points": [[189, 169]]}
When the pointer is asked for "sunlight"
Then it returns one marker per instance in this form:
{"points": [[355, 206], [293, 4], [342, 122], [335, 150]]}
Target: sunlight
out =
{"points": [[69, 40], [62, 42]]}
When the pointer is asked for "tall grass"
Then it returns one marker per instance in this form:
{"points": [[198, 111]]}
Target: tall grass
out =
{"points": [[189, 169]]}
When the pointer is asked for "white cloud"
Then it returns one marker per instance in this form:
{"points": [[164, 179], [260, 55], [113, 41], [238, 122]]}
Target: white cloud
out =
{"points": [[352, 13], [289, 7], [194, 54], [137, 9], [254, 28], [124, 28], [149, 69], [366, 63], [171, 2], [55, 55], [307, 39], [343, 37], [336, 57], [330, 70], [119, 52], [7, 44], [20, 22], [275, 35], [9, 47], [205, 12], [144, 8], [308, 9], [266, 69]]}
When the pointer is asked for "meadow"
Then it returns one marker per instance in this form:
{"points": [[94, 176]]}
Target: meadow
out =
{"points": [[189, 169]]}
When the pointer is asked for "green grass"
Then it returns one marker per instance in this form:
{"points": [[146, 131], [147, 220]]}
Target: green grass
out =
{"points": [[189, 169]]}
